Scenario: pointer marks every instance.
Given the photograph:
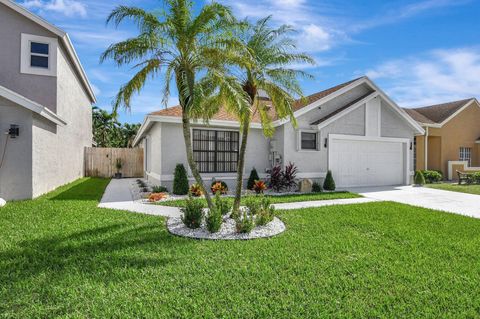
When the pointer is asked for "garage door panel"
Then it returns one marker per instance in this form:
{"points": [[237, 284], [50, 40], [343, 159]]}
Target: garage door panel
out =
{"points": [[367, 163]]}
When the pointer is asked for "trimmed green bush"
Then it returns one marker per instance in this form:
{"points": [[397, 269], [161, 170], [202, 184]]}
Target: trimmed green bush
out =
{"points": [[253, 205], [329, 184], [251, 180], [192, 213], [432, 176], [476, 177], [244, 223], [266, 213], [222, 204], [180, 180], [159, 189], [419, 178], [316, 188], [214, 220]]}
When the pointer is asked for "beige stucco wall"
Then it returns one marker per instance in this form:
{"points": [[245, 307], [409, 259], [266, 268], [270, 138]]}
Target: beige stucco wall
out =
{"points": [[444, 143]]}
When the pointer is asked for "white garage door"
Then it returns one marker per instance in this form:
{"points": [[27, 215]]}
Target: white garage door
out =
{"points": [[367, 163]]}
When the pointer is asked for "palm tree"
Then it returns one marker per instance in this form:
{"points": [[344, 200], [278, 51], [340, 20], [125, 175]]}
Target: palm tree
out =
{"points": [[177, 46], [129, 131], [104, 124], [264, 66]]}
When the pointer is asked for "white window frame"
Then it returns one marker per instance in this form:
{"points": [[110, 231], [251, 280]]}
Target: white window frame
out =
{"points": [[299, 140], [25, 64], [466, 155]]}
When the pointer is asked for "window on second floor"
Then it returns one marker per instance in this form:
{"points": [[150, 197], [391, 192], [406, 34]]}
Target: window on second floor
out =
{"points": [[38, 55], [466, 155]]}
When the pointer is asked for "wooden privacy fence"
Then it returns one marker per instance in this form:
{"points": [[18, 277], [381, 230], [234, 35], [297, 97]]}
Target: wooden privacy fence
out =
{"points": [[100, 162]]}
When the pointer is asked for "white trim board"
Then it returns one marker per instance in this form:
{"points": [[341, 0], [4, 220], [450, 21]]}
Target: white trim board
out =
{"points": [[65, 41], [31, 105]]}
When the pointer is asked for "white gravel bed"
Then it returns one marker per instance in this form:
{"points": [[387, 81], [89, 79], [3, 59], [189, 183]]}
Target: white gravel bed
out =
{"points": [[228, 232]]}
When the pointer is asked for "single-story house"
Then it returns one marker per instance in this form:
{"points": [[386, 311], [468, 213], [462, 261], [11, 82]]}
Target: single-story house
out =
{"points": [[45, 106], [452, 134], [353, 129]]}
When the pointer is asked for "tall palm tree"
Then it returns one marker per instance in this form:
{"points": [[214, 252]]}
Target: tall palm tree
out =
{"points": [[129, 132], [177, 46], [266, 66]]}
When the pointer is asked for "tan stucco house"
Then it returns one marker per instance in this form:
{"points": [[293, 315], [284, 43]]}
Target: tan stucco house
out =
{"points": [[45, 106], [452, 134]]}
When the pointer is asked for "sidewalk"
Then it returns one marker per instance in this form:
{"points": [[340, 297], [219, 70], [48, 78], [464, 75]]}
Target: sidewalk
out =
{"points": [[118, 196]]}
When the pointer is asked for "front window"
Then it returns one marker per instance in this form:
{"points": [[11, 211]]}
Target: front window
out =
{"points": [[215, 151], [309, 141], [39, 55], [466, 155]]}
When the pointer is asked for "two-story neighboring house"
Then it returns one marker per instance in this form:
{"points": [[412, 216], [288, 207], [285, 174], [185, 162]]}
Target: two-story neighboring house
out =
{"points": [[45, 106]]}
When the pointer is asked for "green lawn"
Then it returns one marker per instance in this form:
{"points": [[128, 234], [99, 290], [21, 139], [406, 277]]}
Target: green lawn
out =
{"points": [[61, 256], [470, 189], [290, 198]]}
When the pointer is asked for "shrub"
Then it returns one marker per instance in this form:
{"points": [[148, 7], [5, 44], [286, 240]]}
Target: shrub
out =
{"points": [[476, 177], [276, 180], [192, 213], [259, 187], [288, 176], [329, 183], [159, 189], [432, 176], [266, 213], [316, 188], [214, 220], [253, 205], [155, 197], [244, 223], [222, 204], [252, 179], [195, 190], [180, 180], [219, 186], [419, 178]]}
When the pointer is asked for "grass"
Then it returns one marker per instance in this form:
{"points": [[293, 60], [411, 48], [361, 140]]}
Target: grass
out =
{"points": [[61, 256], [275, 199], [470, 189]]}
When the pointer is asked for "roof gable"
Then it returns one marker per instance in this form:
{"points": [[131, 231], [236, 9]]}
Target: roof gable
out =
{"points": [[438, 114]]}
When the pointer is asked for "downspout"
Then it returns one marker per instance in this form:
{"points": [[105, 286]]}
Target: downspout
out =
{"points": [[426, 148]]}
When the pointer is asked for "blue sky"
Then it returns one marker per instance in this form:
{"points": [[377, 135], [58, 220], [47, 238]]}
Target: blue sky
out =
{"points": [[419, 52]]}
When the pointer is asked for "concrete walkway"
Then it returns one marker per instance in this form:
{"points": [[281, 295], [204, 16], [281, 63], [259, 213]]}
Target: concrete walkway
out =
{"points": [[452, 202], [118, 196]]}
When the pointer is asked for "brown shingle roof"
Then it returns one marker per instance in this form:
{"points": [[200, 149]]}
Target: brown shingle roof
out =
{"points": [[436, 114], [176, 111]]}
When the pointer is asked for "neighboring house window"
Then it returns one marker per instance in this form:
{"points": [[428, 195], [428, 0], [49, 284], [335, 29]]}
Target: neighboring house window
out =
{"points": [[466, 155], [308, 141], [38, 55], [215, 151]]}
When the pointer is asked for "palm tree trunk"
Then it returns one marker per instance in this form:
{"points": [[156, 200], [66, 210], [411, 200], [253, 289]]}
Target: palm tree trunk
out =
{"points": [[241, 165], [191, 161]]}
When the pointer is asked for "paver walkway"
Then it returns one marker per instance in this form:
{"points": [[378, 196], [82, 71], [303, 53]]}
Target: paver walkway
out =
{"points": [[118, 196]]}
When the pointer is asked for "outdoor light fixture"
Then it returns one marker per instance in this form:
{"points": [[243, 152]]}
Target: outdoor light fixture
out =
{"points": [[326, 143], [14, 131], [411, 146]]}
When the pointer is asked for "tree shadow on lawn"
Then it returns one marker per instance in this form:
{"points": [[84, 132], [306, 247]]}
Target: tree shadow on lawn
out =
{"points": [[97, 253], [84, 189]]}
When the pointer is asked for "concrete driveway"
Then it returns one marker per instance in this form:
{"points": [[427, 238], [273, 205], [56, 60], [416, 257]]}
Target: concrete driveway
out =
{"points": [[452, 202]]}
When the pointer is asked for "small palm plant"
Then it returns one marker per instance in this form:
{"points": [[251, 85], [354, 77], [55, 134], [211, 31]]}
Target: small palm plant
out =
{"points": [[181, 48], [118, 166]]}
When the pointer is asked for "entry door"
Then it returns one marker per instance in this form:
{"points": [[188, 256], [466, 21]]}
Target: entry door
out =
{"points": [[367, 163]]}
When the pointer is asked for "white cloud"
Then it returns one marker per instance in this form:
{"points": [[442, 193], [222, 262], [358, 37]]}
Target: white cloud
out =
{"points": [[69, 8], [434, 77]]}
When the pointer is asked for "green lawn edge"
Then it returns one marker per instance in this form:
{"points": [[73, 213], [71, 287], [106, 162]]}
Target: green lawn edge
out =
{"points": [[469, 189]]}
